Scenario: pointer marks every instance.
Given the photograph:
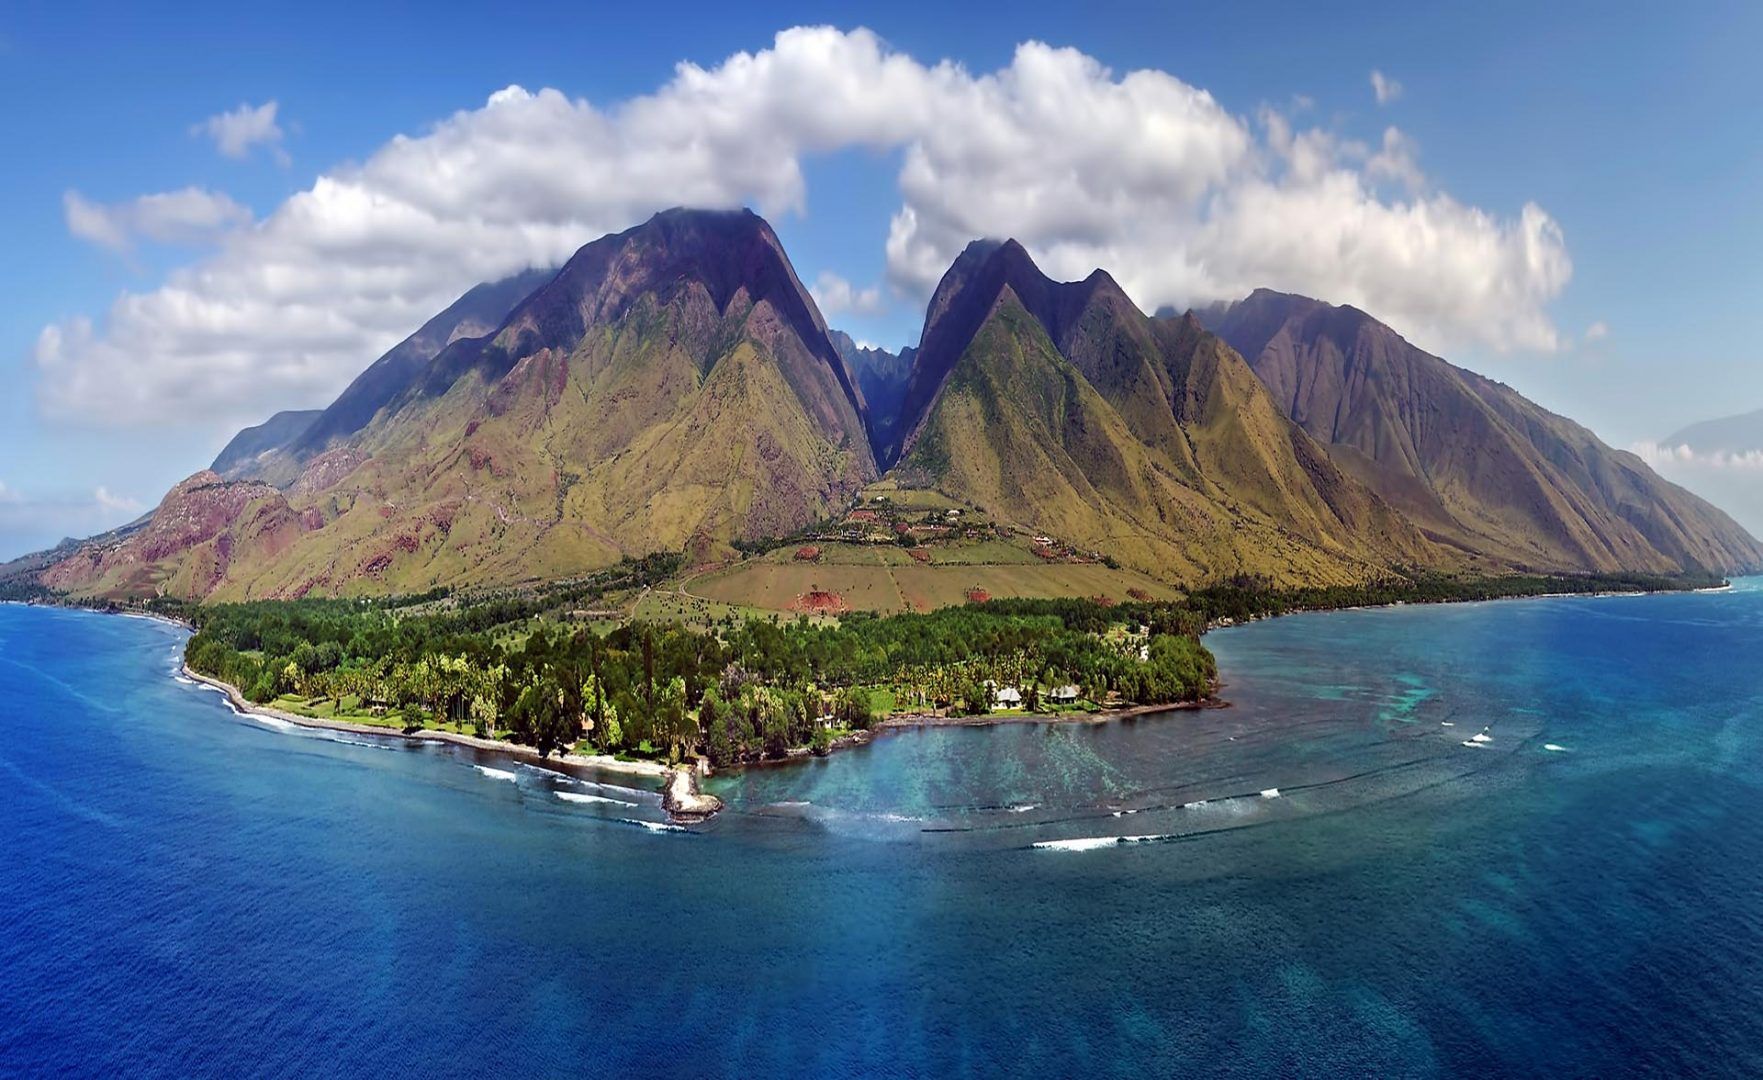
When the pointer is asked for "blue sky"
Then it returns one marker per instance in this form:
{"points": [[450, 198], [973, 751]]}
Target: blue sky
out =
{"points": [[1633, 131]]}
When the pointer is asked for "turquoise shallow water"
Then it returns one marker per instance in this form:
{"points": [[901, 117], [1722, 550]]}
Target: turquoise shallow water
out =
{"points": [[192, 893]]}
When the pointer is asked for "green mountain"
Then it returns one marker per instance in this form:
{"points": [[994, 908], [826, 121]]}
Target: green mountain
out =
{"points": [[1469, 460], [278, 449], [672, 386], [188, 546], [1063, 407]]}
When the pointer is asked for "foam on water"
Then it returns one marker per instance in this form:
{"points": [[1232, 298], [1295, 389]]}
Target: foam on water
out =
{"points": [[1093, 843], [654, 826], [583, 797], [496, 774]]}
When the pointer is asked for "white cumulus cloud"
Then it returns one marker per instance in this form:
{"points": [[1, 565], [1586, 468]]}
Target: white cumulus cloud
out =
{"points": [[188, 216], [236, 131], [1138, 172], [1682, 455], [836, 296]]}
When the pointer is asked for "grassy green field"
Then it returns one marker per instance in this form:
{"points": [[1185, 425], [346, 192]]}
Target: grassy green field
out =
{"points": [[669, 606], [955, 553], [913, 500], [887, 587], [351, 711]]}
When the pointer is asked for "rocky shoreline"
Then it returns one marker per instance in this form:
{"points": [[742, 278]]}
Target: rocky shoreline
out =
{"points": [[682, 799]]}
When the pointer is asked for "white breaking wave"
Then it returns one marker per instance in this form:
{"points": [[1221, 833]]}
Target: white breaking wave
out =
{"points": [[579, 797], [1091, 843], [654, 826], [495, 774], [185, 681]]}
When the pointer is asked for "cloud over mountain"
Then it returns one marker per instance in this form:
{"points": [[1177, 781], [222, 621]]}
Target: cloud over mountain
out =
{"points": [[1184, 201]]}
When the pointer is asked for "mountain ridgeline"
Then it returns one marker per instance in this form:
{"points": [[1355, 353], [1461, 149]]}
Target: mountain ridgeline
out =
{"points": [[673, 387], [1470, 461], [1062, 406]]}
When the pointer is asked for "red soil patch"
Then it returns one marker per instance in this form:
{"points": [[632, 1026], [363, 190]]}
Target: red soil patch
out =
{"points": [[820, 602], [978, 596], [807, 554], [863, 515], [1103, 601], [920, 554], [1140, 595]]}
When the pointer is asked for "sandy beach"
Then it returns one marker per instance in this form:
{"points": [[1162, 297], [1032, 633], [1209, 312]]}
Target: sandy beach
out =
{"points": [[603, 762]]}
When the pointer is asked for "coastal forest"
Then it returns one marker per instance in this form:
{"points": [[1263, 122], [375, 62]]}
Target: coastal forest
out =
{"points": [[748, 691], [741, 690]]}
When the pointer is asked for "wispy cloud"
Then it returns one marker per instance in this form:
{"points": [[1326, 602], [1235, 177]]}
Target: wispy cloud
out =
{"points": [[237, 131], [1386, 89], [189, 216], [1597, 331]]}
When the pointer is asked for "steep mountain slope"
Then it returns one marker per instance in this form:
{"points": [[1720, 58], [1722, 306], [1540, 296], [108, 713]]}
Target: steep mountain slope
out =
{"points": [[881, 378], [187, 545], [672, 386], [1063, 407], [242, 452], [1470, 460], [474, 314]]}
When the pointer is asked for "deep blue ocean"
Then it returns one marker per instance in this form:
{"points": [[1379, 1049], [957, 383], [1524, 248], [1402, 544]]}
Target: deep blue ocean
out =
{"points": [[1335, 876]]}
